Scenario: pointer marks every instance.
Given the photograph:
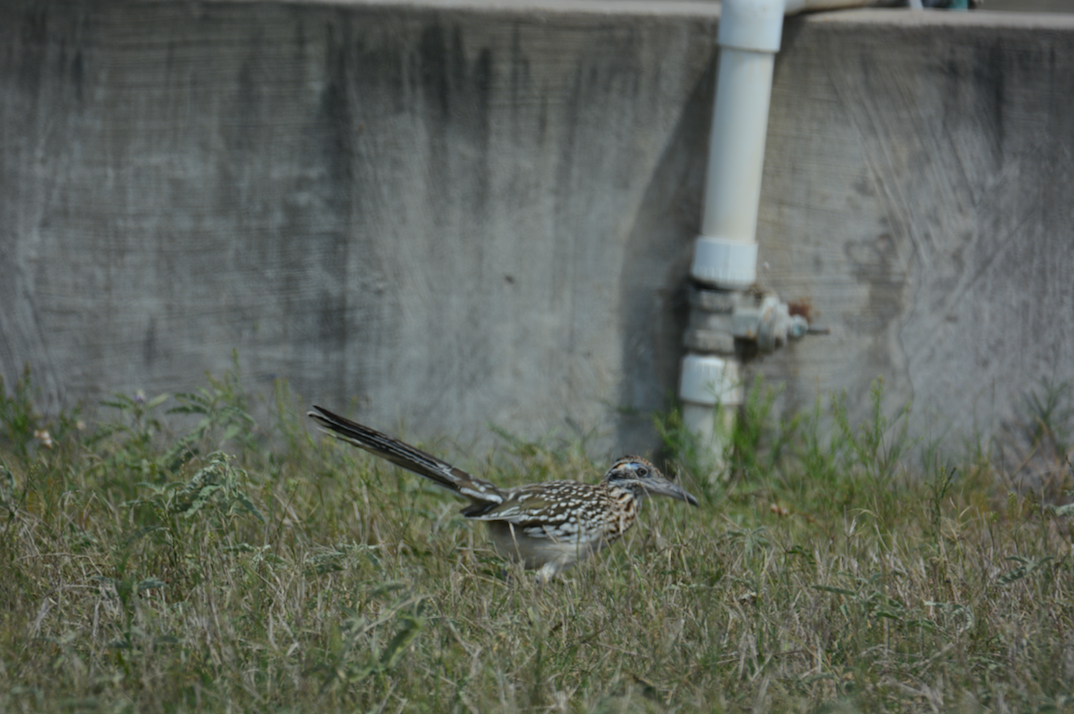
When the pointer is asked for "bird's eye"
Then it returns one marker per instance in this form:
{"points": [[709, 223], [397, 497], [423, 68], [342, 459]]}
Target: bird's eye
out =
{"points": [[642, 472]]}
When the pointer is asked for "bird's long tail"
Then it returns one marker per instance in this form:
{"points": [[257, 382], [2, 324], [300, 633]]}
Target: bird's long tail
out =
{"points": [[439, 472]]}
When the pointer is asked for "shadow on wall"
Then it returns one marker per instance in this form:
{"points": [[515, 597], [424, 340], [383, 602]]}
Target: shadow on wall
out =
{"points": [[668, 219]]}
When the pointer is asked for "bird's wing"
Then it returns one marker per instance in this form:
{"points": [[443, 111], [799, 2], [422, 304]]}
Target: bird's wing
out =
{"points": [[549, 504]]}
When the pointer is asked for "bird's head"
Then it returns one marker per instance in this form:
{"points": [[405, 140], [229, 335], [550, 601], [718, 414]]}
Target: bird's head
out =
{"points": [[641, 478]]}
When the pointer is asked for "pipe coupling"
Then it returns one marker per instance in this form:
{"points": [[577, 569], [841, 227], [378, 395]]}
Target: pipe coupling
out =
{"points": [[708, 380], [724, 263]]}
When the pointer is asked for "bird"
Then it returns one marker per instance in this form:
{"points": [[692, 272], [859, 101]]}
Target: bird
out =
{"points": [[547, 527]]}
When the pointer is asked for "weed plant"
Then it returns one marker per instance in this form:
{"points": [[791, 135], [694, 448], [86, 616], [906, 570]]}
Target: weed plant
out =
{"points": [[228, 566]]}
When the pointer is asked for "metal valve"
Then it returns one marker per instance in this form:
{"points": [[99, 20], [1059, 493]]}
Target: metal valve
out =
{"points": [[723, 322]]}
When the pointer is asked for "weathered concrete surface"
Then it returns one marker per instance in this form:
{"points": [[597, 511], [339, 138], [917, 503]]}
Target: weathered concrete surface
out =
{"points": [[459, 215], [919, 189], [454, 217], [1030, 5]]}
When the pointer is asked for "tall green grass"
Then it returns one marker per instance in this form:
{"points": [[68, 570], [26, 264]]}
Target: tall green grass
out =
{"points": [[180, 557]]}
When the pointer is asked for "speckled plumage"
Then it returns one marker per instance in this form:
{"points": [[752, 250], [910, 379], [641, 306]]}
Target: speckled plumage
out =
{"points": [[547, 527]]}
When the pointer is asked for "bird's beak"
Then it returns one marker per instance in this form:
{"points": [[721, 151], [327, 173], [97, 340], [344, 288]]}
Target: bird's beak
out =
{"points": [[671, 489]]}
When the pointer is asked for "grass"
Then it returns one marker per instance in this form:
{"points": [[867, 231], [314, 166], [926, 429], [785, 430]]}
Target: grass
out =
{"points": [[231, 566]]}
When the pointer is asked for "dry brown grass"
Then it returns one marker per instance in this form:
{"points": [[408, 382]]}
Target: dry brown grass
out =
{"points": [[309, 577]]}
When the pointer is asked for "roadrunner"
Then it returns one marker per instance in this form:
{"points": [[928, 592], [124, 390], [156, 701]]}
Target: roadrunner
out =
{"points": [[548, 527]]}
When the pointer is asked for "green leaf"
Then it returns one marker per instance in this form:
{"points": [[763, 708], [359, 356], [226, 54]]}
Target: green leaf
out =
{"points": [[248, 506], [157, 400], [1067, 510], [393, 652], [385, 588], [124, 402], [837, 591], [149, 584]]}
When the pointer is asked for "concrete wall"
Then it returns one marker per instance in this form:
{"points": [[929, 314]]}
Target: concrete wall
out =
{"points": [[919, 189], [1031, 5], [455, 215]]}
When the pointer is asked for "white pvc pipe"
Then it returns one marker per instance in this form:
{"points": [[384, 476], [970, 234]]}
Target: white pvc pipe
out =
{"points": [[736, 158], [711, 390], [725, 254]]}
